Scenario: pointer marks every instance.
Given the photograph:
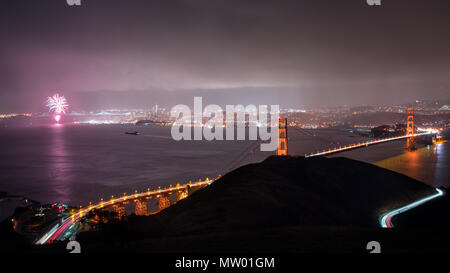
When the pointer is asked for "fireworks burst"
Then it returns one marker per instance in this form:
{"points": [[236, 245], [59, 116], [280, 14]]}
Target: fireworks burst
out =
{"points": [[57, 104]]}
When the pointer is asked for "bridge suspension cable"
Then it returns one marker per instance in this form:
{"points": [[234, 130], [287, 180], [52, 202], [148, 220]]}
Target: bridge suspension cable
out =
{"points": [[241, 157]]}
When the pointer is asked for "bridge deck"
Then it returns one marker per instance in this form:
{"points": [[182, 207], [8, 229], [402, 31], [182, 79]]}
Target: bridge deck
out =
{"points": [[61, 228], [363, 144]]}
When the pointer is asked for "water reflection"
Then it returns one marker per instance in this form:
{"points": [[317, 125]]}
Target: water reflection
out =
{"points": [[442, 176], [59, 166], [428, 164]]}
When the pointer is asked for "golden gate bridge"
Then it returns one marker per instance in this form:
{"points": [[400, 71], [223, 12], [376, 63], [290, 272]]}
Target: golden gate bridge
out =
{"points": [[118, 204]]}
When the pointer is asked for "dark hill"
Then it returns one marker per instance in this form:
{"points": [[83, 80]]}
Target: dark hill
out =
{"points": [[291, 191]]}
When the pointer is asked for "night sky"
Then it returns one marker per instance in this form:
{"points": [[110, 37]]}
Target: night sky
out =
{"points": [[311, 52]]}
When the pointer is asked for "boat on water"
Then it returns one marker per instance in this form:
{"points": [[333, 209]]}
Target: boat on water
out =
{"points": [[132, 133]]}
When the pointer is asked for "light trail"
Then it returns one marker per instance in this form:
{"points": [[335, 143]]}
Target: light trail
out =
{"points": [[59, 229], [386, 219], [363, 144]]}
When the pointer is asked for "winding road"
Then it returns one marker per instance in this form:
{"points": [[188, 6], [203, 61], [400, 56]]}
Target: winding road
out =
{"points": [[386, 219]]}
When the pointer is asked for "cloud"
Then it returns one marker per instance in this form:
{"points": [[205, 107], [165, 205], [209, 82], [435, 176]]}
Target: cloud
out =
{"points": [[348, 50]]}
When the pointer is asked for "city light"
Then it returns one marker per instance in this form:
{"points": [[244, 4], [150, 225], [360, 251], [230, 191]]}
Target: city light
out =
{"points": [[429, 130]]}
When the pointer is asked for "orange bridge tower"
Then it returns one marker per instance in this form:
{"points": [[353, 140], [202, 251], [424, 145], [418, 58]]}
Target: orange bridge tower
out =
{"points": [[282, 137], [410, 130]]}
